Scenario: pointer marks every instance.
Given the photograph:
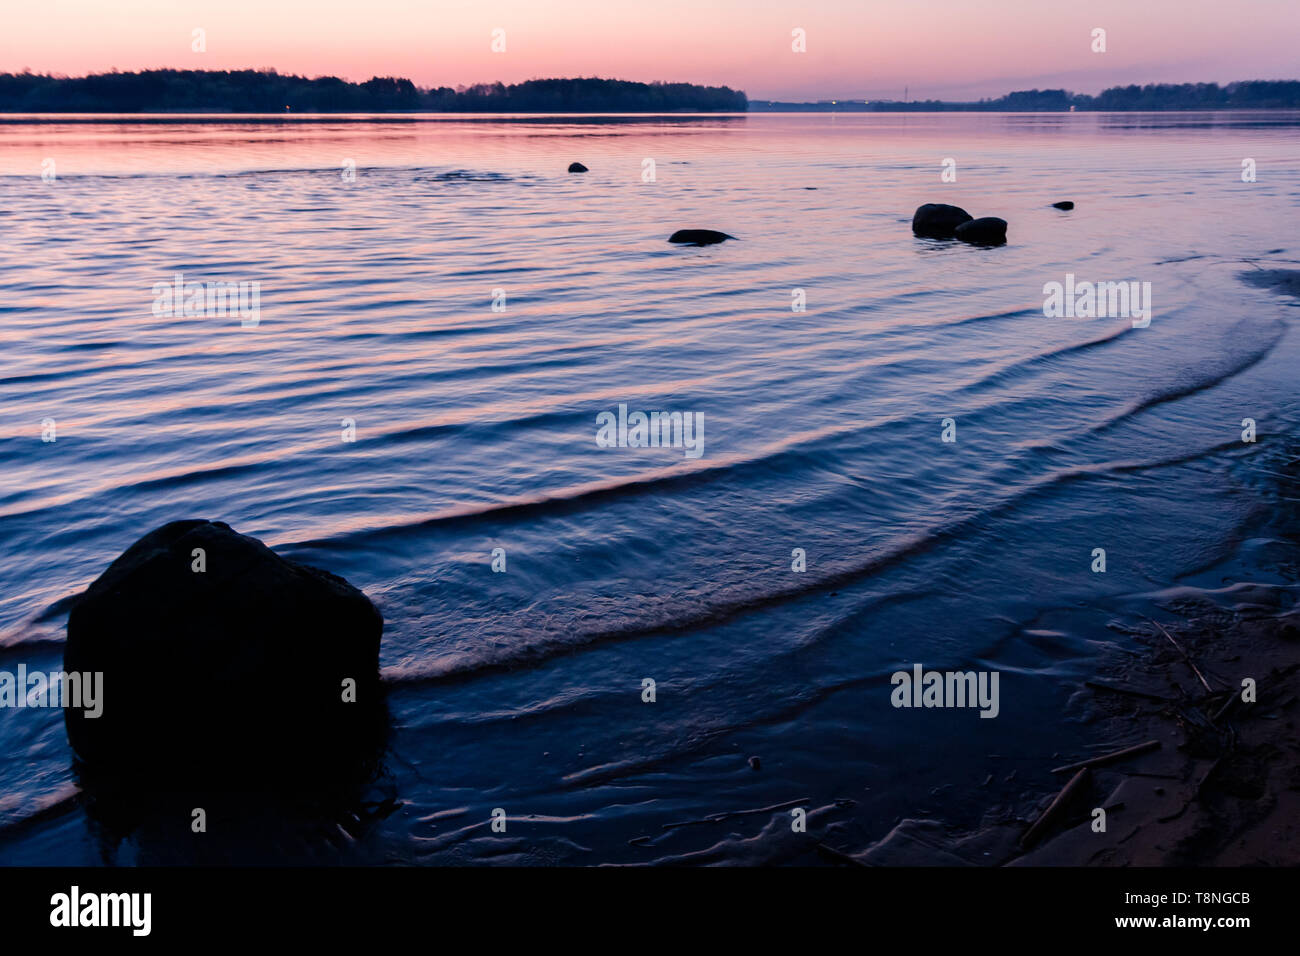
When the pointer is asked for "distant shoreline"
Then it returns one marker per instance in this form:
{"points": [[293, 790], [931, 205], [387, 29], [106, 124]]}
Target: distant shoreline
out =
{"points": [[213, 116], [271, 92], [267, 93], [303, 119]]}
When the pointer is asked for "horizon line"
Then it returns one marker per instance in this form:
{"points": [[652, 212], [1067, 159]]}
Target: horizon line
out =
{"points": [[848, 100]]}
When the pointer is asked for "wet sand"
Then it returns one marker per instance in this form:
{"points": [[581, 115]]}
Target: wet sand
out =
{"points": [[1221, 788]]}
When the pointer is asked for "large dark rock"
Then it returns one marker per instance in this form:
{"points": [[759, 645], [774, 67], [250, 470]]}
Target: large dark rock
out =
{"points": [[577, 168], [987, 231], [231, 677], [1063, 204], [699, 237], [938, 220]]}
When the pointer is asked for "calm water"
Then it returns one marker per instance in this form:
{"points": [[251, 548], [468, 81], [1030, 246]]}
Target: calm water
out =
{"points": [[475, 430]]}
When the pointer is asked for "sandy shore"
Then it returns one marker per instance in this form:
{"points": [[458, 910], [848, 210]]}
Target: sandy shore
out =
{"points": [[1219, 782], [1221, 789]]}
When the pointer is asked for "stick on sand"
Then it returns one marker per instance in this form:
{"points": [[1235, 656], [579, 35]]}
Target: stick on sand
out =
{"points": [[1112, 756], [1098, 685], [1190, 662], [1055, 809]]}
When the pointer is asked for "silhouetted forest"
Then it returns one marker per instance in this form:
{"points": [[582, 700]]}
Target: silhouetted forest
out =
{"points": [[1247, 95], [266, 91]]}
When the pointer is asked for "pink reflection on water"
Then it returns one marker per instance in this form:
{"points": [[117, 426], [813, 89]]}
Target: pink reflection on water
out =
{"points": [[126, 144]]}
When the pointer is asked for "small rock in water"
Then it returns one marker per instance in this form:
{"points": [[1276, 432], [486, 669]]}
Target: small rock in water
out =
{"points": [[755, 763], [987, 231], [577, 168], [938, 220], [1063, 204], [699, 237]]}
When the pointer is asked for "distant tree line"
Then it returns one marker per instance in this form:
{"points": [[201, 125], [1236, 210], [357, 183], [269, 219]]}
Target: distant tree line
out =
{"points": [[267, 91], [1247, 95]]}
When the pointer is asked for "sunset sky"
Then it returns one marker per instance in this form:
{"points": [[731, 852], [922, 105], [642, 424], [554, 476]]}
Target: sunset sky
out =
{"points": [[956, 49]]}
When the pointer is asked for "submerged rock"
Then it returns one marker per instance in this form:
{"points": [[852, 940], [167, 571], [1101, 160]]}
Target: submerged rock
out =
{"points": [[986, 231], [225, 666], [577, 168], [1063, 204], [699, 237], [1283, 282], [938, 220]]}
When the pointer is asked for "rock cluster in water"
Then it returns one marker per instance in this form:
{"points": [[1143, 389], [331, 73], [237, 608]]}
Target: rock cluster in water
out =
{"points": [[941, 221]]}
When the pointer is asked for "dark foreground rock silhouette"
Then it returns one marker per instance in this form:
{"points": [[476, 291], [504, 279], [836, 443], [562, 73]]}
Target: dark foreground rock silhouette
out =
{"points": [[988, 231], [938, 220], [1063, 204], [229, 678], [577, 168], [699, 237]]}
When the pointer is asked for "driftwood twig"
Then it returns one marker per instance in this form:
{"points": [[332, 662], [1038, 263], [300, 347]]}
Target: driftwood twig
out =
{"points": [[1110, 757], [1190, 663], [1098, 685], [1055, 808]]}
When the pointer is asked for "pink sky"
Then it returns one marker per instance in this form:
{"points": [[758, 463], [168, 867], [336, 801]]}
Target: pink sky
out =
{"points": [[856, 49]]}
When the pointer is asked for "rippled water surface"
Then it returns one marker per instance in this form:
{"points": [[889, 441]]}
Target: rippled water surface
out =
{"points": [[475, 430]]}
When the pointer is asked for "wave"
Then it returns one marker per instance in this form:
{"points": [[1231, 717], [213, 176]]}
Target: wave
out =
{"points": [[457, 667], [1235, 365]]}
